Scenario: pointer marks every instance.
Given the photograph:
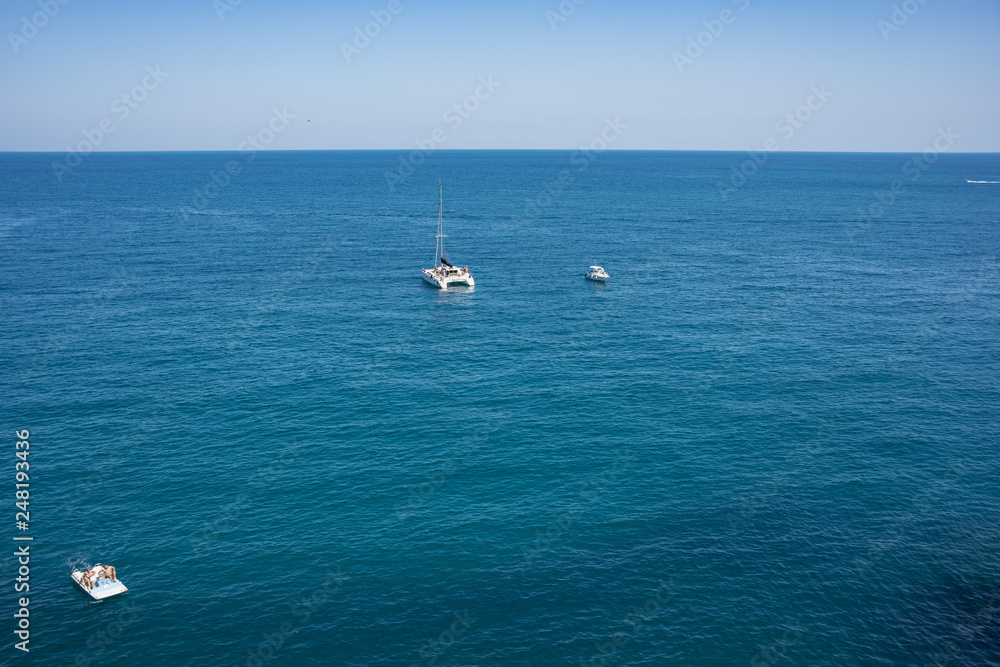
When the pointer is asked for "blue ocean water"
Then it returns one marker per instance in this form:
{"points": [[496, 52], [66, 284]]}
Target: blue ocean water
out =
{"points": [[770, 439]]}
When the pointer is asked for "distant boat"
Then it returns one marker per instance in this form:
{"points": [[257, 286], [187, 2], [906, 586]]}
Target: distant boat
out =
{"points": [[597, 273], [101, 586], [444, 274]]}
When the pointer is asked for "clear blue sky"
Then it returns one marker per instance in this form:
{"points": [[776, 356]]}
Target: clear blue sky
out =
{"points": [[557, 86]]}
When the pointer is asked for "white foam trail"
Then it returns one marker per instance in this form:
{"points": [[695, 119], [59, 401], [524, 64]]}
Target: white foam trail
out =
{"points": [[968, 181]]}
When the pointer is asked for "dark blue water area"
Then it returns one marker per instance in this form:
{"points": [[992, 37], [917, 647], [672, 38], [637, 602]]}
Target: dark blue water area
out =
{"points": [[771, 438]]}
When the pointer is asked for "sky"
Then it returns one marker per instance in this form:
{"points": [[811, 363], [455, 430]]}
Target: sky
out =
{"points": [[851, 75]]}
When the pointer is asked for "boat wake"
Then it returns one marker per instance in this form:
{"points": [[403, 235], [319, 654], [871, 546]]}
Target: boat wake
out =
{"points": [[968, 181]]}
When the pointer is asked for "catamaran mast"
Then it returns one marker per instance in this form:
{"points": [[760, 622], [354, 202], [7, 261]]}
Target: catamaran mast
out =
{"points": [[439, 246]]}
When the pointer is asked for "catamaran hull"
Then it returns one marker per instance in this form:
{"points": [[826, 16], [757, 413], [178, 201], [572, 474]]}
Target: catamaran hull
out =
{"points": [[444, 282]]}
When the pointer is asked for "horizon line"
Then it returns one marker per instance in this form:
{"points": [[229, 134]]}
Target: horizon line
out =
{"points": [[498, 150]]}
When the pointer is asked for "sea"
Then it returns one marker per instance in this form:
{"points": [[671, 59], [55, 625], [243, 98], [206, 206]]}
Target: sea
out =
{"points": [[771, 438]]}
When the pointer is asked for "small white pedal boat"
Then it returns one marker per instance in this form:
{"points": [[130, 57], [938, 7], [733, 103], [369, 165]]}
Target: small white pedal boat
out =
{"points": [[103, 586], [597, 274]]}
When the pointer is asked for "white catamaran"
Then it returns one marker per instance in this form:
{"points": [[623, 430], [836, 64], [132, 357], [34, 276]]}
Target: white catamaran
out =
{"points": [[444, 274]]}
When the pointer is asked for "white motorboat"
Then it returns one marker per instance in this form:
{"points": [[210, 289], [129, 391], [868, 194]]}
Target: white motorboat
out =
{"points": [[101, 586], [597, 273], [445, 274]]}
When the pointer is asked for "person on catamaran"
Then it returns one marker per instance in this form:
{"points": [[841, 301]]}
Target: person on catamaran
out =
{"points": [[109, 570], [85, 580]]}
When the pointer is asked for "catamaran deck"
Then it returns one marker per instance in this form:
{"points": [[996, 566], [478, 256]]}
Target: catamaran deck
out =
{"points": [[444, 278]]}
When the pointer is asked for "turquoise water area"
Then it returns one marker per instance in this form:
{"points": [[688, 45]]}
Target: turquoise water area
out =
{"points": [[770, 439]]}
